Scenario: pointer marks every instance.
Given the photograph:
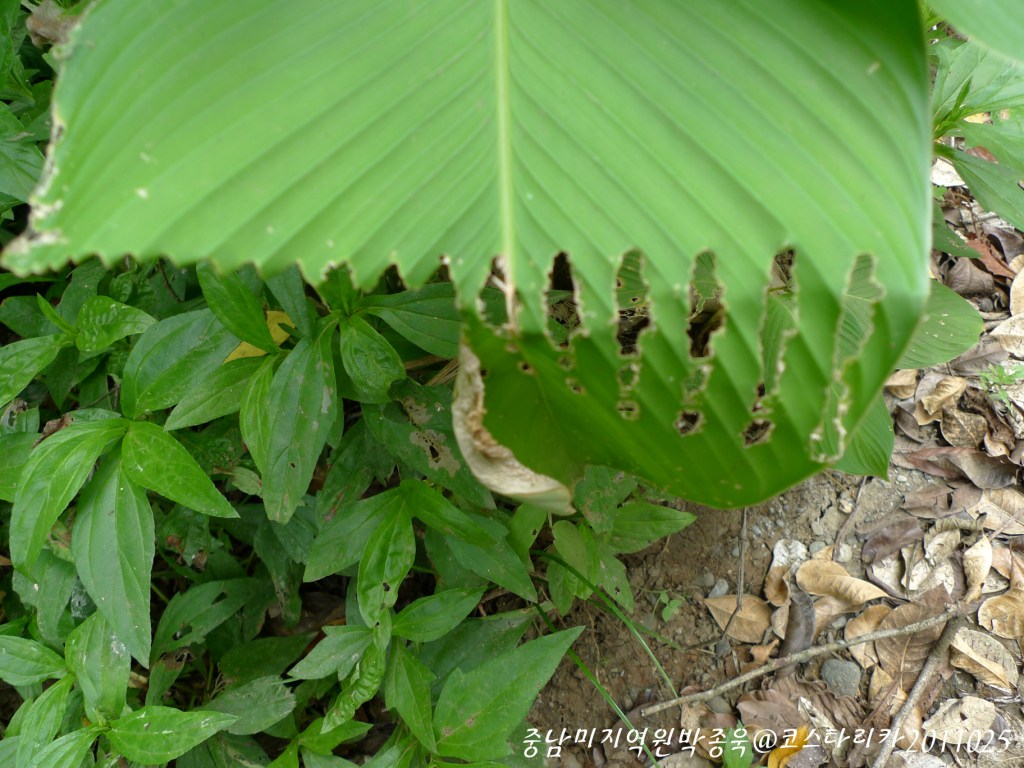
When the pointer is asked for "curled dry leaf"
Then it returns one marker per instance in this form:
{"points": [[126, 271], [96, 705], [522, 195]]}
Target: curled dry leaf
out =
{"points": [[864, 624], [826, 577], [903, 656], [800, 627], [1004, 615], [827, 609], [776, 585], [957, 719], [753, 618], [902, 384], [984, 657], [1017, 295], [977, 564], [945, 394], [494, 464]]}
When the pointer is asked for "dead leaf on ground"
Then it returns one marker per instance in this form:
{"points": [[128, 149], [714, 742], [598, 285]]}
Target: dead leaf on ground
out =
{"points": [[826, 577], [985, 658], [908, 759], [1004, 615], [776, 585], [968, 280], [827, 609], [963, 428], [890, 538], [930, 502], [945, 391], [902, 384], [759, 655], [864, 624], [888, 574], [1010, 335], [957, 719], [1003, 509], [800, 628], [980, 357], [753, 618], [768, 710], [952, 462], [903, 656], [977, 564], [1007, 563]]}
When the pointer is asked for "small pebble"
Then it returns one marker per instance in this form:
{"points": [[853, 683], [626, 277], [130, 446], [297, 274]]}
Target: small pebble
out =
{"points": [[845, 506], [735, 551], [706, 580], [901, 478], [721, 588], [756, 530], [842, 676], [816, 547], [844, 553]]}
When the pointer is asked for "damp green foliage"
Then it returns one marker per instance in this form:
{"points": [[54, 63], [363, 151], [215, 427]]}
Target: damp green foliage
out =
{"points": [[512, 131], [242, 529]]}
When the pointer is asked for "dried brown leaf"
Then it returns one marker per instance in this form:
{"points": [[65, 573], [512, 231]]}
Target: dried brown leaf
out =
{"points": [[753, 618], [1007, 563], [984, 657], [903, 656], [962, 428], [902, 384], [769, 710], [1004, 615], [1003, 509], [1010, 335], [944, 394], [827, 609], [864, 624], [890, 538], [977, 564], [1017, 295], [957, 719], [826, 577], [776, 585]]}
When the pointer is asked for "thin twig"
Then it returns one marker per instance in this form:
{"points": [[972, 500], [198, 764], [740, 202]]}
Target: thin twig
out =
{"points": [[739, 576], [931, 666], [798, 658]]}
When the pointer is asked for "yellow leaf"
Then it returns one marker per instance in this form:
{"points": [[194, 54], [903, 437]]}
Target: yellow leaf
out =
{"points": [[779, 756], [275, 319]]}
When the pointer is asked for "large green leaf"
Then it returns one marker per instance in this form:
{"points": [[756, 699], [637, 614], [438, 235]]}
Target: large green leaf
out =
{"points": [[395, 132], [998, 24]]}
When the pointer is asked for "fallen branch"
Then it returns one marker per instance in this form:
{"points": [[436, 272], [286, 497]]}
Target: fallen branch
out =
{"points": [[798, 658], [931, 666]]}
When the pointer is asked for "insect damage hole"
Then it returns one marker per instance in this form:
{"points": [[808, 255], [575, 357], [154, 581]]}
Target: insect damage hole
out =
{"points": [[628, 409], [689, 422], [561, 300], [758, 431], [631, 298], [707, 311]]}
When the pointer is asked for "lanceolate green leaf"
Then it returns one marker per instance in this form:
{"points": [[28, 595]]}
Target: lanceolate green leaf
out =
{"points": [[154, 735], [101, 665], [113, 547], [102, 321], [400, 132], [25, 662], [219, 394], [22, 360], [69, 749], [238, 308], [287, 428], [51, 477], [155, 460], [407, 691], [43, 720], [170, 358], [477, 711]]}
